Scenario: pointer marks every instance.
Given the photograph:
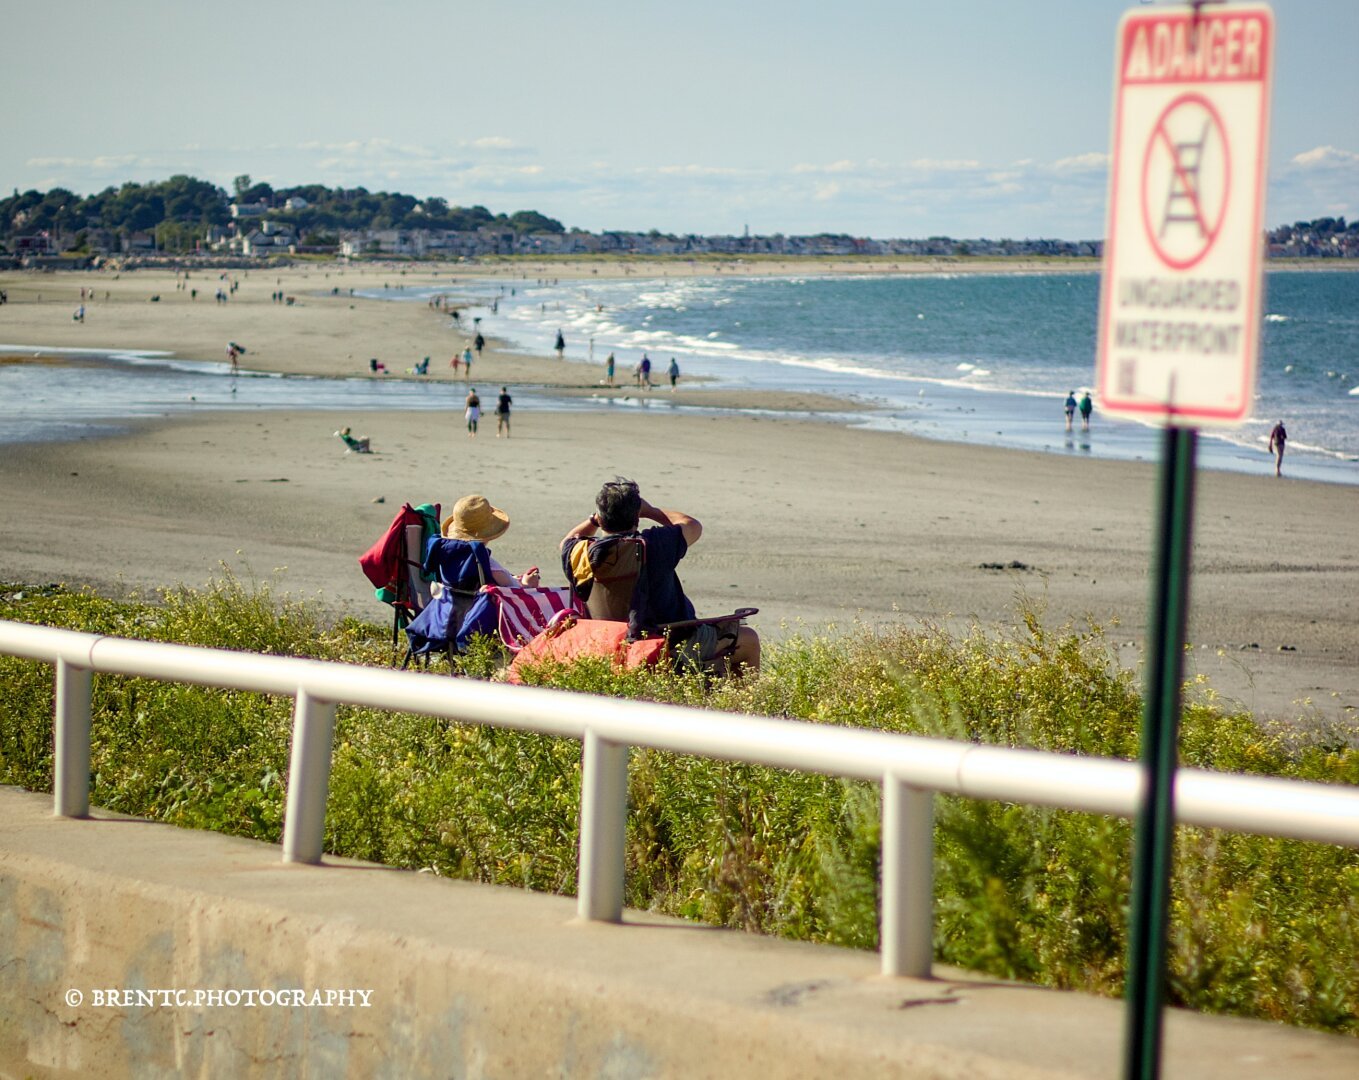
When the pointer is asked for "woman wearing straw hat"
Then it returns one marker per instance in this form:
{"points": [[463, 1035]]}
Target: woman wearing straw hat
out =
{"points": [[474, 518]]}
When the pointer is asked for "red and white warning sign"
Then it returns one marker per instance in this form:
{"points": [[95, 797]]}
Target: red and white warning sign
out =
{"points": [[1180, 298]]}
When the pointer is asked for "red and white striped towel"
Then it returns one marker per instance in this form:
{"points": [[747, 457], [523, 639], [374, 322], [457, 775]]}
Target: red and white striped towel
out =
{"points": [[525, 612]]}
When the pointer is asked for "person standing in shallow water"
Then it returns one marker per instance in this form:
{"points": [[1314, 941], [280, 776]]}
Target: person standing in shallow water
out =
{"points": [[1070, 408], [1277, 437], [1086, 407], [560, 346]]}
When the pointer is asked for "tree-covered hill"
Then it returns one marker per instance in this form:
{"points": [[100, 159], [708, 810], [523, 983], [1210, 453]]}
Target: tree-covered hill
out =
{"points": [[182, 209]]}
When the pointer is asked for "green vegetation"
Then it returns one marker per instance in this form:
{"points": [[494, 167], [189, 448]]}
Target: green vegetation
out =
{"points": [[1264, 928], [181, 209]]}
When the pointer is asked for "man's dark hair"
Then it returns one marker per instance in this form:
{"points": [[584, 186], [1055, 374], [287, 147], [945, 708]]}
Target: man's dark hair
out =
{"points": [[619, 502]]}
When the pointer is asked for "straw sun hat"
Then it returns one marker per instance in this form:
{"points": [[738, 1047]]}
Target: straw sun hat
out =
{"points": [[474, 518]]}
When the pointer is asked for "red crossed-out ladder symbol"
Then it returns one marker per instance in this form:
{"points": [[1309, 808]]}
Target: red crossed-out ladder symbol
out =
{"points": [[1185, 157]]}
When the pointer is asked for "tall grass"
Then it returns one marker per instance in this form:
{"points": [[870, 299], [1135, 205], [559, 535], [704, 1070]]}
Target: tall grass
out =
{"points": [[1264, 928]]}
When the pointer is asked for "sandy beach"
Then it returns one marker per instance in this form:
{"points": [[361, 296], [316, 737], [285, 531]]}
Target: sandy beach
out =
{"points": [[813, 523]]}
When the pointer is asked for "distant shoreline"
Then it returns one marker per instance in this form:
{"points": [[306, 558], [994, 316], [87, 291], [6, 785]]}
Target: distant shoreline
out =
{"points": [[626, 265]]}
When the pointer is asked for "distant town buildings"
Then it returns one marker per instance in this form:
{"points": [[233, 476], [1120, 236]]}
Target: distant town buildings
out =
{"points": [[1325, 238], [251, 234], [431, 243], [187, 218]]}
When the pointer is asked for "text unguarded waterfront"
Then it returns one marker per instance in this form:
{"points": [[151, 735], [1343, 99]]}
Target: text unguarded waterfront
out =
{"points": [[1202, 295], [1150, 335]]}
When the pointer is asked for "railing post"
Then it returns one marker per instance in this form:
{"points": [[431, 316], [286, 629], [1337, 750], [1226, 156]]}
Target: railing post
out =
{"points": [[603, 828], [304, 826], [71, 779], [907, 930]]}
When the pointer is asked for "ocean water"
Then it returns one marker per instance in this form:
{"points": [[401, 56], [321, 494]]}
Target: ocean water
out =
{"points": [[986, 358], [94, 392], [970, 358]]}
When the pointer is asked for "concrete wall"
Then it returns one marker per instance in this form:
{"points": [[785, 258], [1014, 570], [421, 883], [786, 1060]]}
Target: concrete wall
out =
{"points": [[471, 981]]}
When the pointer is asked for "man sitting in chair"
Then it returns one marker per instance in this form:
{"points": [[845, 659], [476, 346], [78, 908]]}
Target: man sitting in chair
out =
{"points": [[658, 598]]}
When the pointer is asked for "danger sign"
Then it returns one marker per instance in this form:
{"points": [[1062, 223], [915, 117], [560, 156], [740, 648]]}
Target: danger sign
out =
{"points": [[1180, 297]]}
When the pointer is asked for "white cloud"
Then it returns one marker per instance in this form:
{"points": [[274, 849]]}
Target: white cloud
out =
{"points": [[496, 173], [1081, 162], [692, 170], [933, 165], [373, 149], [1325, 155], [1316, 182], [826, 192], [494, 142], [833, 167], [118, 161]]}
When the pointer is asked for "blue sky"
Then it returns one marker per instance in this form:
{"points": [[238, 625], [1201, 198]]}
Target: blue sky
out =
{"points": [[905, 118]]}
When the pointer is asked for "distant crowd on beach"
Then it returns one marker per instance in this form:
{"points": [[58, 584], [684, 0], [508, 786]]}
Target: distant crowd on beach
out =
{"points": [[462, 362], [641, 372]]}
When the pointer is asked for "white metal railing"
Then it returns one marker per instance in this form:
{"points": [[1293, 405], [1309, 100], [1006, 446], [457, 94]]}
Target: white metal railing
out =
{"points": [[909, 768]]}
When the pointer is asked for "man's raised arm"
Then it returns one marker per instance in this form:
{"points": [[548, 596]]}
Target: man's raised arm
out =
{"points": [[691, 527]]}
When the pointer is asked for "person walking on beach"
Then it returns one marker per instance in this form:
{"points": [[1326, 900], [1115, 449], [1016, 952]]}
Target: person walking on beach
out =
{"points": [[560, 346], [1070, 408], [473, 413], [1277, 437], [673, 372], [608, 369], [646, 371], [455, 363], [502, 413], [1086, 406], [479, 342]]}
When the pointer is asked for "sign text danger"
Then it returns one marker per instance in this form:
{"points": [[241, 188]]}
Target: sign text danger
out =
{"points": [[1228, 48]]}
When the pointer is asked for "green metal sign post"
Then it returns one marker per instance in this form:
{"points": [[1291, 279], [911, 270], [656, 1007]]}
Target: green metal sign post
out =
{"points": [[1155, 830], [1190, 137]]}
